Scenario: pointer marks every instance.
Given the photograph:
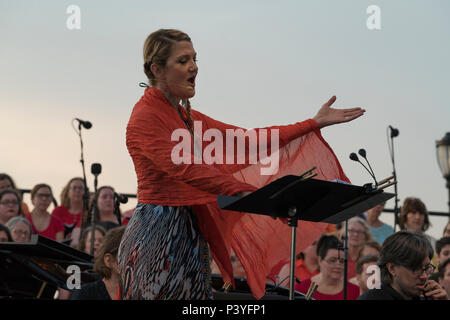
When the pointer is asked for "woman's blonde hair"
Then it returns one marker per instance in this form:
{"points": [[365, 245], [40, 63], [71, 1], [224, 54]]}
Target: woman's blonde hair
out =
{"points": [[157, 49]]}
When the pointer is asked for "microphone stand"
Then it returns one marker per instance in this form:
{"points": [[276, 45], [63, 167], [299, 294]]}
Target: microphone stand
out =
{"points": [[93, 214], [116, 209], [85, 209], [345, 259], [394, 173]]}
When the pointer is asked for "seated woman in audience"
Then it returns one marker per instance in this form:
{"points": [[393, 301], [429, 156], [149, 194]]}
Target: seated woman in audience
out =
{"points": [[5, 235], [330, 280], [85, 240], [6, 182], [69, 212], [41, 221], [414, 217], [103, 206], [10, 205], [358, 234], [105, 264], [20, 229]]}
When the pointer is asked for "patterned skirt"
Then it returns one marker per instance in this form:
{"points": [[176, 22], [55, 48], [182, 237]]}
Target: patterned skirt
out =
{"points": [[163, 256]]}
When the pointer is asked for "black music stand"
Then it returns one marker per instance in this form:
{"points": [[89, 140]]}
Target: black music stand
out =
{"points": [[37, 268], [313, 200]]}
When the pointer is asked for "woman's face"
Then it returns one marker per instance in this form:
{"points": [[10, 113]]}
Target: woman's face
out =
{"points": [[97, 242], [21, 232], [177, 78], [9, 207], [42, 199], [332, 265], [76, 191], [5, 184], [356, 234], [414, 220], [105, 200]]}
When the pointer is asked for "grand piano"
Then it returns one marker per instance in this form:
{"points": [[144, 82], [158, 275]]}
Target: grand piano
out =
{"points": [[35, 270]]}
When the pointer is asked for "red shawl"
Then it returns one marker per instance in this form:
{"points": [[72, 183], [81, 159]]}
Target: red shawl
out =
{"points": [[261, 243]]}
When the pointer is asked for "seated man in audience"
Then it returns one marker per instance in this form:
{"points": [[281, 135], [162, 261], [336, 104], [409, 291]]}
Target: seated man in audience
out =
{"points": [[443, 249], [405, 265], [363, 274], [444, 275]]}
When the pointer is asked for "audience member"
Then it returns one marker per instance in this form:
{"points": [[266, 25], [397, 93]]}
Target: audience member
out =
{"points": [[405, 267], [41, 221], [306, 266], [238, 269], [103, 206], [444, 276], [414, 217], [70, 209], [443, 249], [362, 274], [378, 229], [5, 235], [6, 182], [105, 264], [85, 240], [330, 280], [20, 228], [369, 248], [446, 232], [358, 234], [10, 205]]}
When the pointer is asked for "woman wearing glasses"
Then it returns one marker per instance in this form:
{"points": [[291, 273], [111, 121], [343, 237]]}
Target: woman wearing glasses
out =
{"points": [[41, 221], [358, 234], [10, 205], [330, 280], [20, 228]]}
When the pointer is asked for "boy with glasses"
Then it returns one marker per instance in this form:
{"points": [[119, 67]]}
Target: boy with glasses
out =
{"points": [[405, 266]]}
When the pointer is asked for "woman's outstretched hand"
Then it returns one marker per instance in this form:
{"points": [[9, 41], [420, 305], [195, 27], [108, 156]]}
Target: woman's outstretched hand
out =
{"points": [[328, 116]]}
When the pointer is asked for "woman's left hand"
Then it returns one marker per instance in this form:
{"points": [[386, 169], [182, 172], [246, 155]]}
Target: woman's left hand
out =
{"points": [[328, 116]]}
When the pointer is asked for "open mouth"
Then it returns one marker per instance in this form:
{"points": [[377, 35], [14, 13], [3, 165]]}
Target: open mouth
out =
{"points": [[191, 80]]}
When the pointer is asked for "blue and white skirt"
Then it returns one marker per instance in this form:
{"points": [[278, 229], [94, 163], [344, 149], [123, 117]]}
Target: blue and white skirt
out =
{"points": [[163, 256]]}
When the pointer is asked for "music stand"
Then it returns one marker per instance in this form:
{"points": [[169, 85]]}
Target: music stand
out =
{"points": [[37, 268], [299, 198]]}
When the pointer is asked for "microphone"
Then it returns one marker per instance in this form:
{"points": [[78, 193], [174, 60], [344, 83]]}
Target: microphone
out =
{"points": [[354, 157], [85, 124], [96, 169], [394, 132], [121, 197], [362, 153]]}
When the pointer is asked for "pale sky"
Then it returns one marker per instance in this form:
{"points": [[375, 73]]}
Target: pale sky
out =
{"points": [[261, 63]]}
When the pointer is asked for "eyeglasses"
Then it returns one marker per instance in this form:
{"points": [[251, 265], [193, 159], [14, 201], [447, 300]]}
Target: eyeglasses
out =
{"points": [[9, 203], [357, 232], [44, 195], [429, 269], [20, 232], [335, 261]]}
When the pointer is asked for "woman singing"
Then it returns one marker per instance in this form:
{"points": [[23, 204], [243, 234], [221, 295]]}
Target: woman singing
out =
{"points": [[177, 222]]}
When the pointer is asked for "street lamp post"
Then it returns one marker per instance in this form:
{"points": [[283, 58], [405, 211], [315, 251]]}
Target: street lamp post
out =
{"points": [[443, 157]]}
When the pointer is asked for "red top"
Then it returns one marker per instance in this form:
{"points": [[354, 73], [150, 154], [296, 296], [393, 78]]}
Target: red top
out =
{"points": [[66, 217], [260, 242], [302, 272], [52, 229], [352, 291]]}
